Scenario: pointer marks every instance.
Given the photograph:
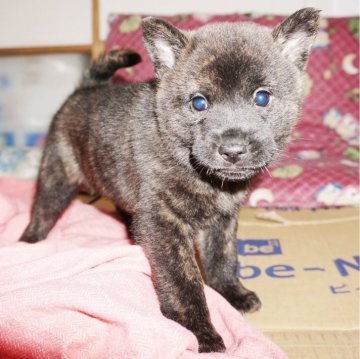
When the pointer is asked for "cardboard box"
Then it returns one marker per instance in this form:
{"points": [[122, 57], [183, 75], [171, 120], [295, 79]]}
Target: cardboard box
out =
{"points": [[304, 265]]}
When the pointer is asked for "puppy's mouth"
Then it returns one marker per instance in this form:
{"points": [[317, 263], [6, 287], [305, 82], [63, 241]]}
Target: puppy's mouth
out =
{"points": [[232, 174], [237, 172], [240, 174]]}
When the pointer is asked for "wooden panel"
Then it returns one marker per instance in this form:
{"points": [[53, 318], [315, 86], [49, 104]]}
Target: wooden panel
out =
{"points": [[97, 44], [44, 50]]}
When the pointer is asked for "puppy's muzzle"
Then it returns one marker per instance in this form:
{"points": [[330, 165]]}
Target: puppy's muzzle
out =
{"points": [[233, 147], [232, 152]]}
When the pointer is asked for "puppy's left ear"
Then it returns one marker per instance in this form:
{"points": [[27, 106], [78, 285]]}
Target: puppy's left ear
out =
{"points": [[164, 43], [296, 34]]}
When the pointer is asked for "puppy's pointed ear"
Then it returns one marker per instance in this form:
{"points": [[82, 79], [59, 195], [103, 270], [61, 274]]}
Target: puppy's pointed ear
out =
{"points": [[296, 34], [164, 43]]}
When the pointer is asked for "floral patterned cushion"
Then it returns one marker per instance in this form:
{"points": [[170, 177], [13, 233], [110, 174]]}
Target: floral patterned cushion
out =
{"points": [[321, 165]]}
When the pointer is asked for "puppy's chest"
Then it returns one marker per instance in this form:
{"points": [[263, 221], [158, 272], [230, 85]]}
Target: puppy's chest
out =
{"points": [[201, 208], [228, 203]]}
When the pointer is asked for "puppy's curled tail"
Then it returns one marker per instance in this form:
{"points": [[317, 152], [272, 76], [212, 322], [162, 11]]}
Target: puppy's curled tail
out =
{"points": [[104, 67]]}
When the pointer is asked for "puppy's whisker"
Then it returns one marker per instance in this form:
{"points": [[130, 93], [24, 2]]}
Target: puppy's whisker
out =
{"points": [[303, 139], [267, 170]]}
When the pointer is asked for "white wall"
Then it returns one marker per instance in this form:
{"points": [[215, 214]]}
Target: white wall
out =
{"points": [[29, 23], [35, 23]]}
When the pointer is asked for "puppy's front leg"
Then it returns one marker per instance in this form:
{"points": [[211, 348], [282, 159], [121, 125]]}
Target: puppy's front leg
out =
{"points": [[218, 252], [177, 278]]}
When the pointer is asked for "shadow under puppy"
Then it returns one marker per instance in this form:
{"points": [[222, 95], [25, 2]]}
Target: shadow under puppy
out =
{"points": [[176, 153]]}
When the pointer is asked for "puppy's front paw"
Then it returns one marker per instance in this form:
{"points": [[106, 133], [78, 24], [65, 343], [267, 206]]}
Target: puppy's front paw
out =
{"points": [[242, 299], [28, 238], [211, 344], [248, 302]]}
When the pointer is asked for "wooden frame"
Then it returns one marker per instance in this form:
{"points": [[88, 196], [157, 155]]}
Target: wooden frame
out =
{"points": [[95, 48], [97, 45], [44, 50]]}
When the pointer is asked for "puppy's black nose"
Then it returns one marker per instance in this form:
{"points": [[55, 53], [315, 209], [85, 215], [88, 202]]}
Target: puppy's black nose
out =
{"points": [[232, 152]]}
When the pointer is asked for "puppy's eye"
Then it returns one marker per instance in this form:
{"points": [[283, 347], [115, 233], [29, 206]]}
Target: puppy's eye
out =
{"points": [[262, 98], [199, 103]]}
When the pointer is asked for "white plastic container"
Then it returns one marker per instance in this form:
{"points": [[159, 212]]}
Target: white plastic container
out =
{"points": [[32, 88]]}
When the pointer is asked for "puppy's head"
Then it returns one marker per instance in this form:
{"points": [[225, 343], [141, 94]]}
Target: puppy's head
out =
{"points": [[229, 94]]}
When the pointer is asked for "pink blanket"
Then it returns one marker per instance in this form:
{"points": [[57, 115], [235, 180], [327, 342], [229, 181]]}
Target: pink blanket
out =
{"points": [[86, 292]]}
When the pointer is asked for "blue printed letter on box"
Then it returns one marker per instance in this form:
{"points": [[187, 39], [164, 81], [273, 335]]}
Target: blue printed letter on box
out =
{"points": [[259, 247]]}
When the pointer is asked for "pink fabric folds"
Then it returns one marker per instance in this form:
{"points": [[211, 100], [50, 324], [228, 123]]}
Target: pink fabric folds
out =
{"points": [[86, 292]]}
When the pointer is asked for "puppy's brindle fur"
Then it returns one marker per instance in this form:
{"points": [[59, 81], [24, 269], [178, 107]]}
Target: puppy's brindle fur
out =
{"points": [[146, 148]]}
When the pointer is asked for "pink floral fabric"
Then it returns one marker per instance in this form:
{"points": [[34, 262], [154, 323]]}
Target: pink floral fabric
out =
{"points": [[321, 165]]}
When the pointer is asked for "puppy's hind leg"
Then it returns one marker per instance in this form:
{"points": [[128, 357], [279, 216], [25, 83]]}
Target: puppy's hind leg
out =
{"points": [[54, 193]]}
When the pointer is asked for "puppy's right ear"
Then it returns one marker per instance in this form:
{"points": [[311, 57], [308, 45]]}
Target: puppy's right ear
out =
{"points": [[164, 43]]}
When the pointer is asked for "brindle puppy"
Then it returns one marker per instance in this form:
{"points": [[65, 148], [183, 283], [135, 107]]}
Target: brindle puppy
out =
{"points": [[176, 153]]}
